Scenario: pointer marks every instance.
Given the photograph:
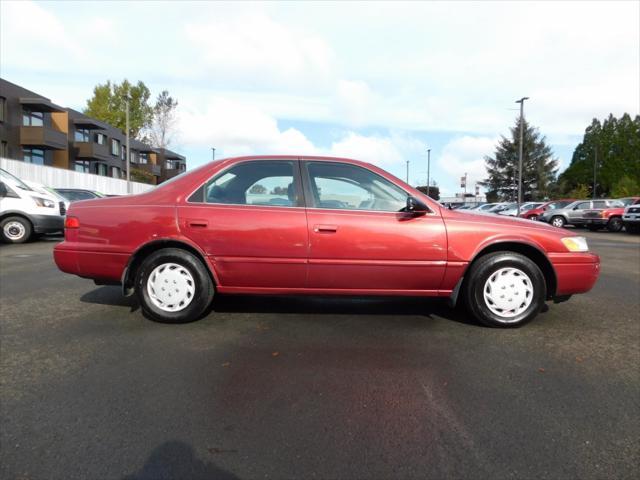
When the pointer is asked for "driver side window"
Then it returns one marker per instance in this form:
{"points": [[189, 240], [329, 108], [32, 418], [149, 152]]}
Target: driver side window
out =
{"points": [[348, 187]]}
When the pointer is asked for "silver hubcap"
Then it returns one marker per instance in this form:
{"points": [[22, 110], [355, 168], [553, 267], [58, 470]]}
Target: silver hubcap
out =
{"points": [[171, 287], [557, 222], [508, 292], [14, 230]]}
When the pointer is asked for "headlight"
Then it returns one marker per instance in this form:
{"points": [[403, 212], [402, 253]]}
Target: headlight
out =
{"points": [[576, 244], [43, 202]]}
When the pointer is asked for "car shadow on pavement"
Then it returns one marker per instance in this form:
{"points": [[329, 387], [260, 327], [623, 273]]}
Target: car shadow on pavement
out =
{"points": [[177, 460], [341, 305], [110, 295]]}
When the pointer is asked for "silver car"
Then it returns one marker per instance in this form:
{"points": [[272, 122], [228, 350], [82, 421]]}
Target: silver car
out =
{"points": [[573, 214]]}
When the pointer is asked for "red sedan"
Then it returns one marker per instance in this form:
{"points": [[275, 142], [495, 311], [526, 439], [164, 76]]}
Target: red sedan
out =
{"points": [[316, 225]]}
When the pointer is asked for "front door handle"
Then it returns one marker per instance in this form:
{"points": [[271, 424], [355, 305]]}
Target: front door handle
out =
{"points": [[325, 228]]}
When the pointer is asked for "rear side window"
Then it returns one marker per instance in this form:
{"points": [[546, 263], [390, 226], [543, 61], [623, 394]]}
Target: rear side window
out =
{"points": [[599, 204], [265, 183], [582, 205]]}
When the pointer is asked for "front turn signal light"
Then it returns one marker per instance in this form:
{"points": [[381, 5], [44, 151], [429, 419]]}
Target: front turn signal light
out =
{"points": [[71, 222], [576, 244]]}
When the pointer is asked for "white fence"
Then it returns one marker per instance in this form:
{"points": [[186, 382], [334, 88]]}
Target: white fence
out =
{"points": [[62, 178]]}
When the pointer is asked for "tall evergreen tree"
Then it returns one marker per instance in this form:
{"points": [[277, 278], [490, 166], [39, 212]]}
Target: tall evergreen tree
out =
{"points": [[612, 147], [538, 166]]}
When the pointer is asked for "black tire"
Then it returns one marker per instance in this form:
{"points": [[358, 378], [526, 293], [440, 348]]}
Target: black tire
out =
{"points": [[614, 224], [483, 269], [631, 228], [203, 286], [557, 221], [18, 229]]}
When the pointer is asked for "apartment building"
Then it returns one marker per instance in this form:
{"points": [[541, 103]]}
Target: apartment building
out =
{"points": [[35, 130]]}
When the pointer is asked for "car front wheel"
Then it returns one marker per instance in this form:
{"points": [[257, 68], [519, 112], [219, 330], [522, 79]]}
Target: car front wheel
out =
{"points": [[505, 289], [558, 221], [15, 229], [614, 224], [173, 286]]}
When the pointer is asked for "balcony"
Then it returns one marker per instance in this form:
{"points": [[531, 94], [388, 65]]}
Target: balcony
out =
{"points": [[43, 137], [92, 151], [154, 170]]}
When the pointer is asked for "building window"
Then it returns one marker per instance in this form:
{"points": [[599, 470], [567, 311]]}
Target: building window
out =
{"points": [[81, 166], [124, 153], [115, 172], [3, 106], [32, 119], [174, 165], [4, 150], [132, 157], [102, 169], [101, 139], [33, 155], [82, 135], [115, 147], [143, 158]]}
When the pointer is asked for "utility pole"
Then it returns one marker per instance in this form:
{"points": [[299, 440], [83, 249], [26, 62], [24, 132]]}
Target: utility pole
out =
{"points": [[213, 153], [428, 169], [521, 102], [128, 154], [595, 166], [407, 171]]}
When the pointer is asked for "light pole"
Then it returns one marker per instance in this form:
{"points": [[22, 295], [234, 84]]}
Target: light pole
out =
{"points": [[128, 155], [595, 166], [428, 169], [407, 171], [521, 102], [213, 153]]}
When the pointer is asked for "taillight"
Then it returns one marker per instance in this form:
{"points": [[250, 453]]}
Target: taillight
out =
{"points": [[71, 222]]}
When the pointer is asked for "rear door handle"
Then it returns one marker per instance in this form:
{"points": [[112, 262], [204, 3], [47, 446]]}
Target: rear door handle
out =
{"points": [[198, 223], [325, 228]]}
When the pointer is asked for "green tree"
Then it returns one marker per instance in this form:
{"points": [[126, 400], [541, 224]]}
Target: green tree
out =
{"points": [[108, 105], [612, 148], [434, 191], [580, 192], [538, 166], [163, 128], [625, 187], [139, 175], [258, 189]]}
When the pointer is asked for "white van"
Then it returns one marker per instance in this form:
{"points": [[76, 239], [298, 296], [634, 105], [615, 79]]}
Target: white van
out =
{"points": [[25, 211]]}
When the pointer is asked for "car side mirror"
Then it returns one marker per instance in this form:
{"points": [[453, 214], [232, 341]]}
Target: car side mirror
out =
{"points": [[3, 190], [415, 206]]}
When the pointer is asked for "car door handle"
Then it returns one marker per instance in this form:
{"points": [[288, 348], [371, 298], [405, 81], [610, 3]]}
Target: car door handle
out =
{"points": [[325, 228], [198, 223]]}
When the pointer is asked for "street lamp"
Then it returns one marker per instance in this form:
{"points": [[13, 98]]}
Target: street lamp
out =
{"points": [[127, 155], [521, 102], [428, 169], [407, 171], [213, 153]]}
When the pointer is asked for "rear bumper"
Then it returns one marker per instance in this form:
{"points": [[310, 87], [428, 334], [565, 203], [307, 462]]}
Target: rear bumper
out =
{"points": [[47, 223], [575, 272], [102, 266]]}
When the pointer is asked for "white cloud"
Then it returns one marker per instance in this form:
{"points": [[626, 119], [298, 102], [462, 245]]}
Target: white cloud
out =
{"points": [[466, 155], [377, 150]]}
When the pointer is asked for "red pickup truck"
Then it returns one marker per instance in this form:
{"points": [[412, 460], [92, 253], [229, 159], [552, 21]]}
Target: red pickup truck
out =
{"points": [[611, 218]]}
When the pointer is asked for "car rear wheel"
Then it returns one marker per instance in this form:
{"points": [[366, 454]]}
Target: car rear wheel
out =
{"points": [[558, 221], [505, 289], [173, 286], [614, 224], [15, 229]]}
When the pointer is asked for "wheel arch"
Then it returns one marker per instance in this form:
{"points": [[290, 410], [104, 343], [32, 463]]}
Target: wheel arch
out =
{"points": [[533, 253], [128, 275]]}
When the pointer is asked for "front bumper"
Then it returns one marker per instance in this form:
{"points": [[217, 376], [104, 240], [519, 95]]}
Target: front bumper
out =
{"points": [[47, 223], [631, 218], [575, 272]]}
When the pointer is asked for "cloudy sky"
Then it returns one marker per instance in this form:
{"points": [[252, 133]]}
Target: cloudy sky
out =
{"points": [[371, 80]]}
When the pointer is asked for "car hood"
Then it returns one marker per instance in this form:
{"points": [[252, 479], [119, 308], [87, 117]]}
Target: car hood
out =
{"points": [[504, 221]]}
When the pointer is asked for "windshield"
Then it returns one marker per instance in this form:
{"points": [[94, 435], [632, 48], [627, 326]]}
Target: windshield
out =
{"points": [[13, 179]]}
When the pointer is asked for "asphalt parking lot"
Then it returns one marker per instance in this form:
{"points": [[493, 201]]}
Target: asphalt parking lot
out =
{"points": [[315, 388]]}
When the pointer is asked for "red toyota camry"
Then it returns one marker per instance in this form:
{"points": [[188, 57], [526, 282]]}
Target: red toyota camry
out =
{"points": [[316, 225]]}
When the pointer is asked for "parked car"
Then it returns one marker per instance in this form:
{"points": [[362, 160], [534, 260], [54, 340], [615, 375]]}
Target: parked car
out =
{"points": [[525, 207], [534, 213], [611, 218], [75, 194], [485, 207], [41, 188], [499, 207], [573, 214], [340, 227], [631, 217], [25, 212]]}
